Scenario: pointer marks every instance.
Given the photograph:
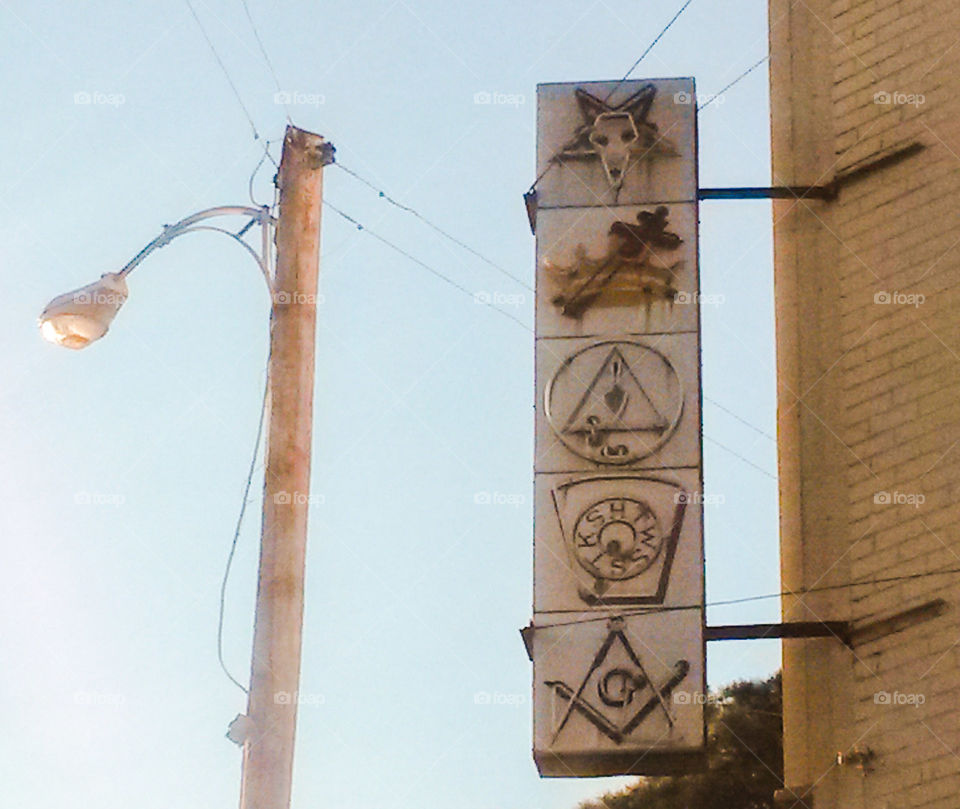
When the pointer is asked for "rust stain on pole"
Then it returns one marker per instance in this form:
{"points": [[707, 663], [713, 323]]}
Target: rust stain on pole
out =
{"points": [[275, 668]]}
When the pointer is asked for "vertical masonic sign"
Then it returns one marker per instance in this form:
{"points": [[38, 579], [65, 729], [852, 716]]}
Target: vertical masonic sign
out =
{"points": [[617, 631]]}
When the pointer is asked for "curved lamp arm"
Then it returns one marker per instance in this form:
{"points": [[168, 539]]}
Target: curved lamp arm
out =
{"points": [[188, 224], [77, 318]]}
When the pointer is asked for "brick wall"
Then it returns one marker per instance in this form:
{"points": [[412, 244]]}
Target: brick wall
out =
{"points": [[868, 298]]}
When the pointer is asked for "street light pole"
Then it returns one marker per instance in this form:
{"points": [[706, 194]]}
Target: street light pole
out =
{"points": [[275, 668], [78, 318]]}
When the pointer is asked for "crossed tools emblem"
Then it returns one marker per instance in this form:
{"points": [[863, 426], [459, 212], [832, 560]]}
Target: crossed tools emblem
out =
{"points": [[621, 688]]}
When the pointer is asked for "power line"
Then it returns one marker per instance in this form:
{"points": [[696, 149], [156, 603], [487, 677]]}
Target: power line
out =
{"points": [[449, 236], [223, 67], [766, 596], [551, 163], [266, 58], [264, 156], [649, 48], [236, 533], [738, 418], [503, 312], [738, 455], [739, 78], [474, 296]]}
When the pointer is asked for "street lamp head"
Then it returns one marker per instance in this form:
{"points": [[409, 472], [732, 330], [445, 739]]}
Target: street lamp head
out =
{"points": [[75, 319]]}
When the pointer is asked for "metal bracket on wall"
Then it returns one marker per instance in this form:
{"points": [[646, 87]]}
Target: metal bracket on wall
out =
{"points": [[844, 631], [827, 192], [796, 629]]}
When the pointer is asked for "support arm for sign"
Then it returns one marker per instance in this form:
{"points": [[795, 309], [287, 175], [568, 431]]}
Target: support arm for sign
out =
{"points": [[826, 192], [846, 632]]}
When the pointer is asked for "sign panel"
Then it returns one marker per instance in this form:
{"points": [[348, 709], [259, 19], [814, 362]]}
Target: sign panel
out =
{"points": [[617, 633], [612, 143], [619, 695], [617, 270], [624, 402], [614, 540]]}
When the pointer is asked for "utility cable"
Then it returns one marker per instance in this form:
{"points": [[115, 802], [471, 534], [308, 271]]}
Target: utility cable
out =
{"points": [[427, 267], [223, 67], [551, 163], [746, 599], [738, 418], [475, 298], [739, 78], [236, 533], [253, 175], [649, 48], [266, 58], [449, 236]]}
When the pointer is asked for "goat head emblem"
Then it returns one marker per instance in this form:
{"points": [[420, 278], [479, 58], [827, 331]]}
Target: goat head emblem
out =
{"points": [[617, 134]]}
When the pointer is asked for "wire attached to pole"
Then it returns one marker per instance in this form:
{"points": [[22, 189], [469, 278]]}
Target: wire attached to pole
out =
{"points": [[236, 533]]}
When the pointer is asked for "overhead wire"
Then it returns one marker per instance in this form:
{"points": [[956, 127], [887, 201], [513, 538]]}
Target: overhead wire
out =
{"points": [[436, 228], [650, 47], [236, 533], [223, 67], [456, 285], [739, 78], [738, 418], [253, 174], [360, 226], [766, 596], [266, 58]]}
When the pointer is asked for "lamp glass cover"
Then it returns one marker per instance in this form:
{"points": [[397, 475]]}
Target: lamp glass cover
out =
{"points": [[78, 318]]}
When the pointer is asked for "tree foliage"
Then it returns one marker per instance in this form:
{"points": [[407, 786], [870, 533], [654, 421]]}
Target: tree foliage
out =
{"points": [[744, 757]]}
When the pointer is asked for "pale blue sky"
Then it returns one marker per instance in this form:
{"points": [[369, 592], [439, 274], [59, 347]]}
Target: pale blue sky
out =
{"points": [[111, 690]]}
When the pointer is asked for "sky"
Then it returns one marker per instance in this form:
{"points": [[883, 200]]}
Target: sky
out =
{"points": [[126, 462]]}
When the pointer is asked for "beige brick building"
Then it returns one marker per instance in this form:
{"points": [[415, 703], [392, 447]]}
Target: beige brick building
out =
{"points": [[868, 331]]}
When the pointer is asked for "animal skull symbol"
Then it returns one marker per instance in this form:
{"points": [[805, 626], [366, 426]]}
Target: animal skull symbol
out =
{"points": [[616, 134]]}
